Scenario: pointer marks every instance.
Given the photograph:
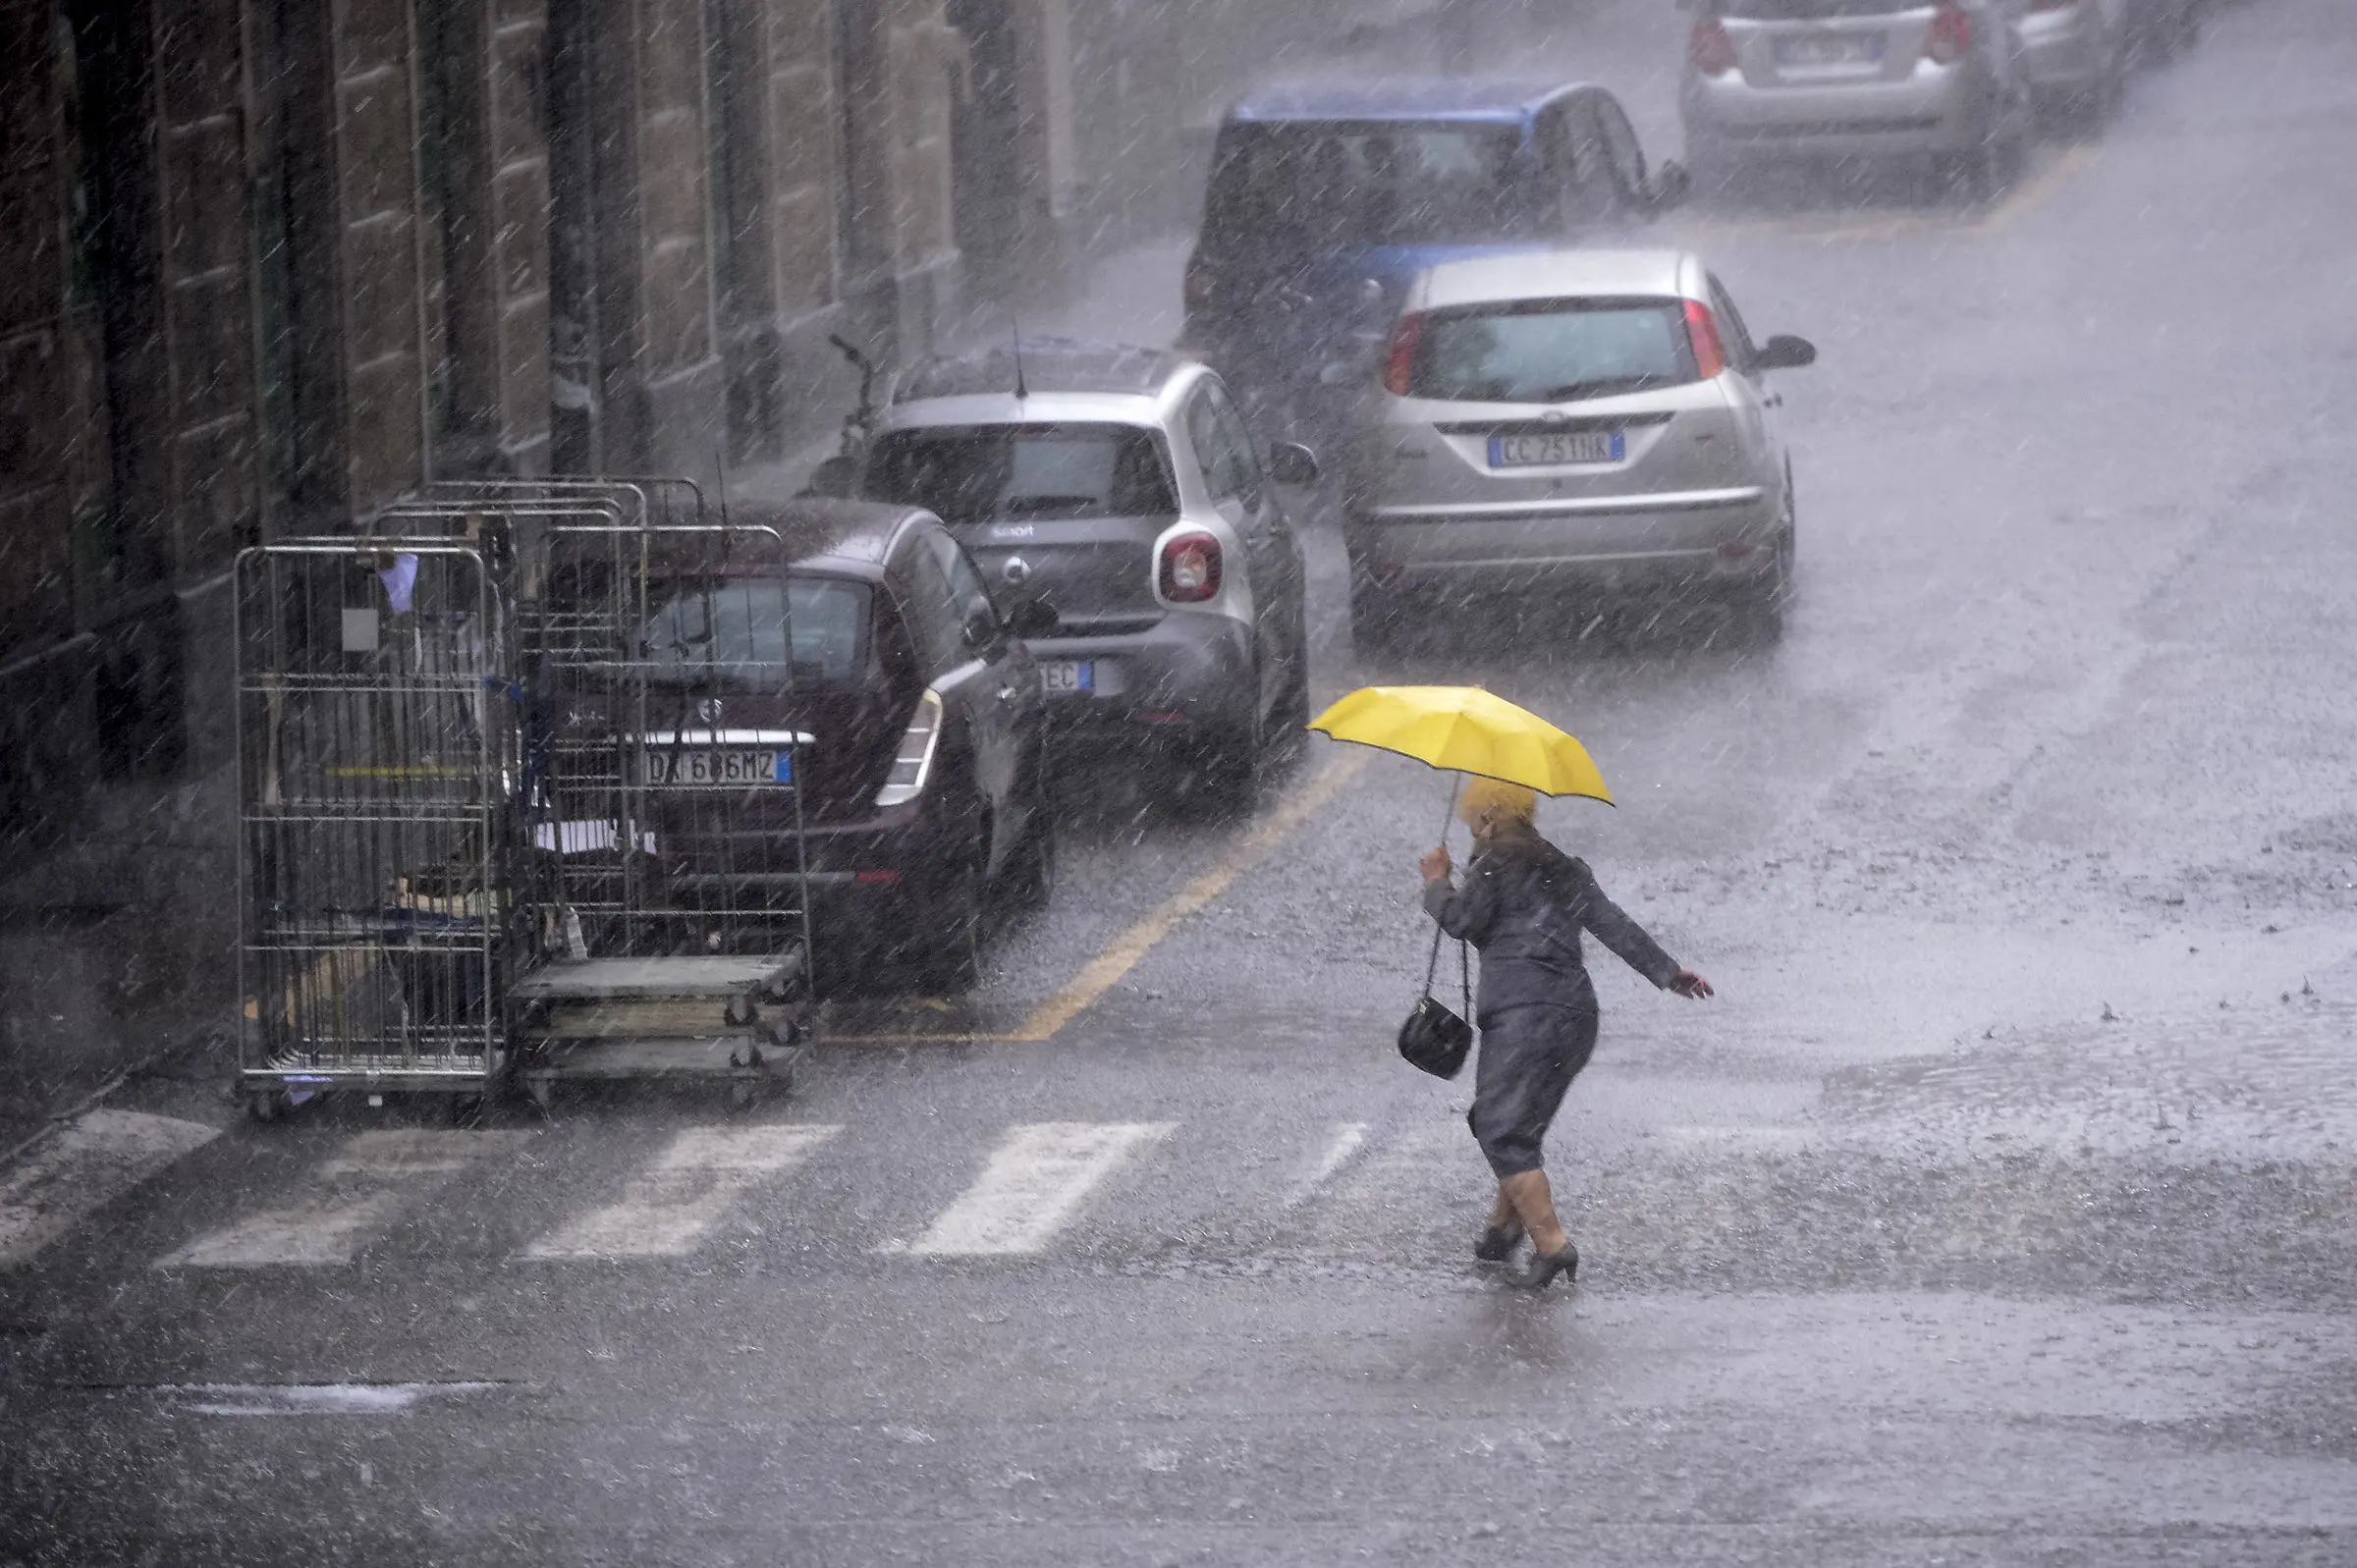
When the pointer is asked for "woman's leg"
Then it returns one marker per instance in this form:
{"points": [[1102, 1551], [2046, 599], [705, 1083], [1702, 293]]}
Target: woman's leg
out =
{"points": [[1504, 1215], [1534, 1201]]}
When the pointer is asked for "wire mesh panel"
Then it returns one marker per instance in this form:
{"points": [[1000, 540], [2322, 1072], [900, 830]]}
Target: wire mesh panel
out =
{"points": [[380, 774], [667, 758]]}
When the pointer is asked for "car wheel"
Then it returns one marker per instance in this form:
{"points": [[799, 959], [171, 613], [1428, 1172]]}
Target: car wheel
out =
{"points": [[1988, 171], [1033, 885], [1228, 772], [1374, 616], [954, 967], [1760, 613], [1292, 708]]}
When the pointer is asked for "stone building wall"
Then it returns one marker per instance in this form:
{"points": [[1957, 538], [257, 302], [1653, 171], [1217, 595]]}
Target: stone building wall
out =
{"points": [[266, 265]]}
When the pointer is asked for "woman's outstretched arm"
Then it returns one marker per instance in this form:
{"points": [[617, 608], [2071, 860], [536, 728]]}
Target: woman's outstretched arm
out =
{"points": [[1636, 947]]}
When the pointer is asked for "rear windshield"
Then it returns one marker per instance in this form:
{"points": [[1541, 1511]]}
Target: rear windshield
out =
{"points": [[1815, 10], [757, 633], [1294, 187], [1550, 351], [987, 474]]}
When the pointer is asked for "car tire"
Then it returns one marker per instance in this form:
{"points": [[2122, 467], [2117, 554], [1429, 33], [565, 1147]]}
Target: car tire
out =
{"points": [[1986, 173], [1292, 708], [1374, 616], [1033, 886], [953, 966], [1760, 613], [1228, 769]]}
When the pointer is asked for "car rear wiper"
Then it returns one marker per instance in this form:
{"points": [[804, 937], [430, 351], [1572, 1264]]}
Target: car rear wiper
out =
{"points": [[1571, 390]]}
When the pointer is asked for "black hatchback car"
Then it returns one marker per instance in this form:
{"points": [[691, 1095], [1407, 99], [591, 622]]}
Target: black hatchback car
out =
{"points": [[866, 630], [1326, 197]]}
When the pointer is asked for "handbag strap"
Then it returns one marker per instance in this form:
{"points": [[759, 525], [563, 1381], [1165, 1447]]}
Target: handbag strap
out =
{"points": [[1464, 970]]}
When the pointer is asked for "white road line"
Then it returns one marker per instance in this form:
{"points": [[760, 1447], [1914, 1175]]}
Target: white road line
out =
{"points": [[95, 1158], [668, 1208], [347, 1200], [1348, 1137], [1033, 1183]]}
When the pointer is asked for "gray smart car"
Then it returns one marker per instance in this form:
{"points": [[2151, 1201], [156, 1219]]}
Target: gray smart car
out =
{"points": [[1114, 497]]}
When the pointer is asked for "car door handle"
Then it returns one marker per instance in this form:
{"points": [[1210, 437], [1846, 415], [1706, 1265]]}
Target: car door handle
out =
{"points": [[1007, 693]]}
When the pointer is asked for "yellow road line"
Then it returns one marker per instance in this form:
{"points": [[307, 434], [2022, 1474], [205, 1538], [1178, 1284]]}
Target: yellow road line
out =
{"points": [[2030, 197], [1104, 971]]}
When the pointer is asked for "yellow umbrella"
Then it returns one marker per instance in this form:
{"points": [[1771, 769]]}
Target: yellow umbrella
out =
{"points": [[1466, 730]]}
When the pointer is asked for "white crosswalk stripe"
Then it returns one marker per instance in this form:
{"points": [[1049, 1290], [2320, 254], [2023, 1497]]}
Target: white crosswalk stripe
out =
{"points": [[97, 1157], [348, 1200], [670, 1208], [1035, 1179], [1348, 1138]]}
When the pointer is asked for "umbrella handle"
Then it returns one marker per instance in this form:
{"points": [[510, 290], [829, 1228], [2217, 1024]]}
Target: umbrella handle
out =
{"points": [[1449, 815]]}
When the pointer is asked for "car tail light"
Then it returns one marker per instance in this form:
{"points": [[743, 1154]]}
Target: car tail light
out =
{"points": [[913, 763], [1190, 567], [1709, 50], [1702, 330], [1399, 362], [1952, 36], [1202, 282]]}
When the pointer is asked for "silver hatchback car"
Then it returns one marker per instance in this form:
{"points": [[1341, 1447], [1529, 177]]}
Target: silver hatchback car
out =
{"points": [[1594, 420], [1857, 79]]}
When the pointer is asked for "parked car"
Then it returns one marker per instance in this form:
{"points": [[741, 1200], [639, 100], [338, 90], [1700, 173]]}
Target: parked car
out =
{"points": [[2075, 53], [1856, 80], [1116, 501], [924, 781], [1325, 197], [1595, 420]]}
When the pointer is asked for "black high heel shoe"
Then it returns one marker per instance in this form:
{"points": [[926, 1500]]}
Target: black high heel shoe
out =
{"points": [[1543, 1269], [1497, 1243]]}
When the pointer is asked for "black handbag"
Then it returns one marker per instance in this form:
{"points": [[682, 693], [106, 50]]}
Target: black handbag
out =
{"points": [[1433, 1038]]}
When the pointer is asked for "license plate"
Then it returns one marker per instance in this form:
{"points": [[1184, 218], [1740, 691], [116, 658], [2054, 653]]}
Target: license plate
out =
{"points": [[1557, 450], [1830, 49], [1063, 678], [717, 768]]}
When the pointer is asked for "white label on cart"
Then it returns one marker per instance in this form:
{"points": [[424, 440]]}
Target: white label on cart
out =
{"points": [[359, 631], [668, 1209]]}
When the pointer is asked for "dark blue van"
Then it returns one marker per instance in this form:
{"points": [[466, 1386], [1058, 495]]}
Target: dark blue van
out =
{"points": [[1326, 197]]}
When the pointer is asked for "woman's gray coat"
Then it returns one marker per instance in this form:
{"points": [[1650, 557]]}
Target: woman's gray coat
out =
{"points": [[1524, 903]]}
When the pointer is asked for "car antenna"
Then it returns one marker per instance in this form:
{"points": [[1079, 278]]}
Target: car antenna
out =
{"points": [[1020, 392]]}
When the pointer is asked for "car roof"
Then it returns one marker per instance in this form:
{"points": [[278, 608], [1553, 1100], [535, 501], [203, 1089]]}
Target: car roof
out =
{"points": [[853, 538], [1049, 365], [1556, 274], [1498, 100]]}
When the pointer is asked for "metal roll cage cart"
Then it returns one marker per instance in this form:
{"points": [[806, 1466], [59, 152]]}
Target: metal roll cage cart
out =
{"points": [[460, 759]]}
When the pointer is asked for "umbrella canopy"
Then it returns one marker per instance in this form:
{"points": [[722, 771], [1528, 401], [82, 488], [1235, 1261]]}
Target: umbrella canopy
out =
{"points": [[1466, 730]]}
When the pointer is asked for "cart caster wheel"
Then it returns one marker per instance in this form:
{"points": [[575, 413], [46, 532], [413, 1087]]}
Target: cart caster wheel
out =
{"points": [[264, 1106], [467, 1110], [740, 1096], [542, 1094]]}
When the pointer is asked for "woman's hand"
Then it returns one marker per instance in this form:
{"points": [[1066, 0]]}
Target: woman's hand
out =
{"points": [[1435, 864], [1686, 983]]}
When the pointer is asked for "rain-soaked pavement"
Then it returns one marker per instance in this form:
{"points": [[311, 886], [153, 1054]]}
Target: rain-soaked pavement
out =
{"points": [[1999, 1210]]}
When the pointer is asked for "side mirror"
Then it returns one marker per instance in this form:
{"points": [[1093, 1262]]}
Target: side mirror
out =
{"points": [[982, 629], [838, 476], [1784, 351], [1033, 617], [1292, 463]]}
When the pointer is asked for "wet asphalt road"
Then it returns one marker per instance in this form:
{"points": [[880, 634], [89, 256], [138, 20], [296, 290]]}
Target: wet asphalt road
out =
{"points": [[1999, 1212]]}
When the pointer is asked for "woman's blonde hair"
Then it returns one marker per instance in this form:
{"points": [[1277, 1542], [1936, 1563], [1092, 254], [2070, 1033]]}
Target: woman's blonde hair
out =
{"points": [[1496, 801]]}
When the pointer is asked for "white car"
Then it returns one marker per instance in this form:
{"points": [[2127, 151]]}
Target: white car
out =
{"points": [[1592, 420]]}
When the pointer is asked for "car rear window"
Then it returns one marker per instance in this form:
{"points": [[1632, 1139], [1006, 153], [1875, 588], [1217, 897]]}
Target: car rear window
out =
{"points": [[1550, 351], [1307, 185], [738, 631], [985, 474], [1814, 10]]}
